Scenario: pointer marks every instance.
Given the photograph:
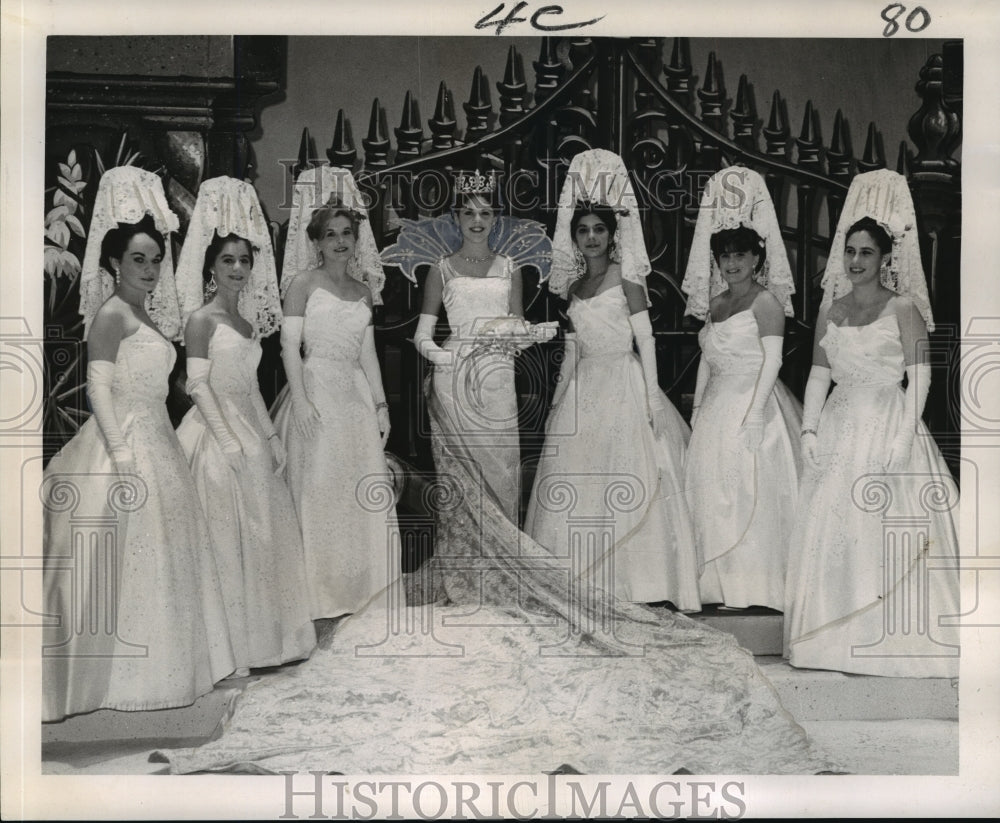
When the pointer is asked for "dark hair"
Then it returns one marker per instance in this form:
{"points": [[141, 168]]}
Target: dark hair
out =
{"points": [[324, 214], [879, 235], [742, 238], [215, 248], [116, 241], [605, 214]]}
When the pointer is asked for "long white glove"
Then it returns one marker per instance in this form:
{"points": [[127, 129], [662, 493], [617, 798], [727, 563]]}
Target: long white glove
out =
{"points": [[918, 385], [198, 370], [643, 331], [700, 382], [753, 421], [816, 390], [100, 374], [304, 413], [423, 339], [273, 439], [369, 365]]}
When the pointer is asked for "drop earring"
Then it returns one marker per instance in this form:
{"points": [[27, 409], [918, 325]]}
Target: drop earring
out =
{"points": [[211, 287], [579, 262]]}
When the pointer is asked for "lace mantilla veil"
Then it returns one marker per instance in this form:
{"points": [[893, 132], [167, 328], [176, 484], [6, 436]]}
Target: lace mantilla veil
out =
{"points": [[734, 197], [126, 194], [323, 186], [884, 196], [599, 177], [227, 206]]}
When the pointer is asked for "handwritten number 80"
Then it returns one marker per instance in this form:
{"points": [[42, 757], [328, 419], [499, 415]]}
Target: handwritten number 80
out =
{"points": [[892, 13]]}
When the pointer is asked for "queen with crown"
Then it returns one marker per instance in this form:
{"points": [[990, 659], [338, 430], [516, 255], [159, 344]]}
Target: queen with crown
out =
{"points": [[474, 256]]}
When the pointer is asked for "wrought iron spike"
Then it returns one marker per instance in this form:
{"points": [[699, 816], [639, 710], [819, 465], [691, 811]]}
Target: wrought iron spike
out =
{"points": [[839, 155], [410, 134], [512, 90], [808, 133], [341, 152], [711, 83], [744, 117], [808, 140], [776, 123], [443, 123], [377, 142], [903, 160], [306, 154], [678, 72], [838, 144], [548, 69], [873, 157], [478, 109]]}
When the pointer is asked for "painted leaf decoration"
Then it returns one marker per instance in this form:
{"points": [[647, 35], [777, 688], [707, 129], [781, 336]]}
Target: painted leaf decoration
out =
{"points": [[74, 223]]}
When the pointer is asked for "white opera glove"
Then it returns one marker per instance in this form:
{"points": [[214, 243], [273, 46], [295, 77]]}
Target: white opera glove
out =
{"points": [[100, 374], [304, 413], [701, 381], [915, 398], [423, 339], [539, 333], [567, 370], [642, 329], [815, 398], [369, 365], [273, 439], [198, 370], [753, 421]]}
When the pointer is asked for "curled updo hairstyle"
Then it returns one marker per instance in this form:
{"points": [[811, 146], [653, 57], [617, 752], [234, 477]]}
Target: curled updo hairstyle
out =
{"points": [[116, 241], [605, 214], [324, 214], [740, 239], [878, 234], [215, 248]]}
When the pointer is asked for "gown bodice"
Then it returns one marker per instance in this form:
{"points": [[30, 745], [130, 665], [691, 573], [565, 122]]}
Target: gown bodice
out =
{"points": [[732, 346], [601, 323], [234, 361], [334, 328], [870, 355], [471, 300], [142, 368]]}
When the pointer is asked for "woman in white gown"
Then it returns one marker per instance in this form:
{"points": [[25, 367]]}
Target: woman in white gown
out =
{"points": [[333, 418], [228, 437], [520, 673], [873, 579], [609, 484], [743, 461], [130, 576]]}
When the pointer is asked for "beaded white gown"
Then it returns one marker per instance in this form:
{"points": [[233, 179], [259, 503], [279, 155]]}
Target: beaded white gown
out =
{"points": [[605, 487], [339, 478], [742, 501], [255, 533], [130, 582], [873, 578], [477, 396]]}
